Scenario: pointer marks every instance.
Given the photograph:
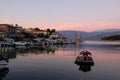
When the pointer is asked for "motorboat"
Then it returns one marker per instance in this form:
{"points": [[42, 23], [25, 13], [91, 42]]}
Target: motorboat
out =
{"points": [[3, 62], [85, 57], [84, 61]]}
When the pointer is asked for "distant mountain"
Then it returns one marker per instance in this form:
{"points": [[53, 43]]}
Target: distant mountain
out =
{"points": [[96, 35], [108, 30], [72, 34]]}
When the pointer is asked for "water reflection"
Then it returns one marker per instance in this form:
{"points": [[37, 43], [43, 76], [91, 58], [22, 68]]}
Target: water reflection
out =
{"points": [[3, 72], [35, 50], [5, 55], [85, 67], [56, 63], [10, 53]]}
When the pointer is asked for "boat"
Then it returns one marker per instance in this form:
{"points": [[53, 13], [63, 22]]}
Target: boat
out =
{"points": [[3, 62], [85, 57], [84, 61]]}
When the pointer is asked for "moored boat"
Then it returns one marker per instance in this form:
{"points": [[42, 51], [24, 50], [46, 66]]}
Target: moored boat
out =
{"points": [[3, 62], [84, 58]]}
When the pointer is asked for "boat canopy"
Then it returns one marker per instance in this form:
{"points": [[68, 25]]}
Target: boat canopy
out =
{"points": [[85, 53]]}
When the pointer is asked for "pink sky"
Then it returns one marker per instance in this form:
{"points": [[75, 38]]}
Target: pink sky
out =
{"points": [[84, 15], [79, 26], [89, 26]]}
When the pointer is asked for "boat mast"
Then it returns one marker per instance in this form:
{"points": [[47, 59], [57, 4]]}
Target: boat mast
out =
{"points": [[79, 39]]}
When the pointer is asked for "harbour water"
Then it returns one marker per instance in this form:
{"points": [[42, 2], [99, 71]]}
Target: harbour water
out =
{"points": [[57, 62]]}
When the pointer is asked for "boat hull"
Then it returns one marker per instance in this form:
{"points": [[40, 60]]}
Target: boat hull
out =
{"points": [[81, 61]]}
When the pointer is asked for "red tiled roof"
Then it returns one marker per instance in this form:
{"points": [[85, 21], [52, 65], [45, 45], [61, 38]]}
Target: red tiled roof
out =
{"points": [[3, 24]]}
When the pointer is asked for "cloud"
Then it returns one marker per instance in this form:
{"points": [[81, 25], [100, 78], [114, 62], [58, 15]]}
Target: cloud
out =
{"points": [[88, 26]]}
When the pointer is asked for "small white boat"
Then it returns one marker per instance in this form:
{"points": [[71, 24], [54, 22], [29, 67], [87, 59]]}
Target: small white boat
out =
{"points": [[3, 62]]}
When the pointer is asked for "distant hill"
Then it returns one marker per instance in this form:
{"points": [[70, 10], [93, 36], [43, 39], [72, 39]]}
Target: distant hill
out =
{"points": [[108, 30], [95, 35], [72, 34]]}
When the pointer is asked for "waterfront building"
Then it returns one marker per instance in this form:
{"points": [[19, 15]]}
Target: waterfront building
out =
{"points": [[56, 35], [2, 34], [8, 29], [34, 31]]}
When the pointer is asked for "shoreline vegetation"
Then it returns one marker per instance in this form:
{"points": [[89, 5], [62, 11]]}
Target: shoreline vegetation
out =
{"points": [[111, 38]]}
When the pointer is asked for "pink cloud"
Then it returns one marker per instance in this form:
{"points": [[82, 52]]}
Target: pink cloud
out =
{"points": [[89, 26], [80, 26]]}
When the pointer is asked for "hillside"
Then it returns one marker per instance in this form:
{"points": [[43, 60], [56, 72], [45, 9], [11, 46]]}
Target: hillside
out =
{"points": [[113, 38], [96, 35]]}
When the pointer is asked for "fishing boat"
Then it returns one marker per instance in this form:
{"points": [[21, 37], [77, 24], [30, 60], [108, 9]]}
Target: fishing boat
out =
{"points": [[85, 57]]}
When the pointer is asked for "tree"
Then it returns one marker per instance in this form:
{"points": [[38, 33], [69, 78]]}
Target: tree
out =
{"points": [[40, 35], [115, 37], [48, 30], [36, 29], [53, 30], [28, 35]]}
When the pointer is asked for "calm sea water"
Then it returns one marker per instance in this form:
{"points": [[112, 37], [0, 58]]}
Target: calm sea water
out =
{"points": [[57, 62]]}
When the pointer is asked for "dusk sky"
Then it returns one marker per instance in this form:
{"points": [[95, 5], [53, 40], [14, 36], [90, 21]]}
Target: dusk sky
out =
{"points": [[84, 15]]}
